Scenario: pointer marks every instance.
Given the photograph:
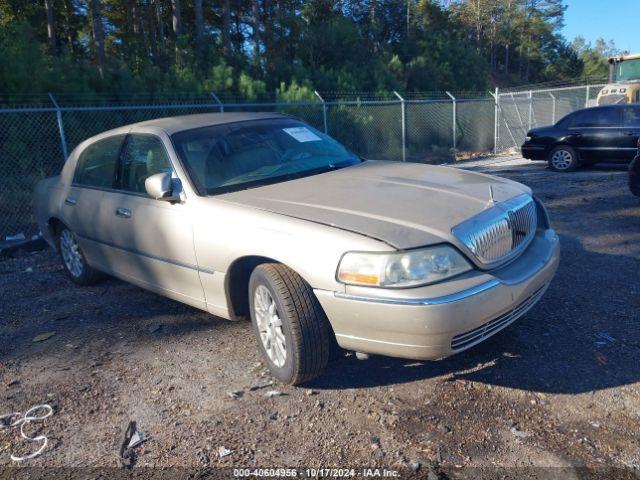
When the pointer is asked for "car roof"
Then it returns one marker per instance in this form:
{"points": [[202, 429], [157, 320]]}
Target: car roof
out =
{"points": [[600, 107], [172, 125]]}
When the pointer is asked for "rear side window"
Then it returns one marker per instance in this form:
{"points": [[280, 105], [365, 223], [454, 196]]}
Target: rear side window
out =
{"points": [[598, 117], [142, 156], [97, 163], [631, 117]]}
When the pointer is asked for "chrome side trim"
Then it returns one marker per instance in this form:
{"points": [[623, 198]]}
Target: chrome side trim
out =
{"points": [[608, 149], [454, 297], [147, 255], [383, 342]]}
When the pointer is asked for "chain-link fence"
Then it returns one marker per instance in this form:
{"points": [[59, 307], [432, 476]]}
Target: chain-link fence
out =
{"points": [[519, 111], [429, 128]]}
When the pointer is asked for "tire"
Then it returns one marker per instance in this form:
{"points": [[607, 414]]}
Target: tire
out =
{"points": [[286, 313], [563, 159], [73, 260]]}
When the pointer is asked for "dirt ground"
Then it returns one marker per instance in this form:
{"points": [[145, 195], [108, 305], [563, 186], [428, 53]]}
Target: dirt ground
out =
{"points": [[555, 395]]}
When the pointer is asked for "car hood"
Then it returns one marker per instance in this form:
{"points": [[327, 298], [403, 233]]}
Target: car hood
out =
{"points": [[541, 131], [406, 205]]}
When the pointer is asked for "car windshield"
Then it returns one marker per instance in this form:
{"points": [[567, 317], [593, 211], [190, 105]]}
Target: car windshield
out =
{"points": [[628, 70], [242, 155]]}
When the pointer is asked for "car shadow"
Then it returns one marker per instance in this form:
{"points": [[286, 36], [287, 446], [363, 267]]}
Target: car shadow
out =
{"points": [[607, 167], [622, 165], [582, 336], [111, 311]]}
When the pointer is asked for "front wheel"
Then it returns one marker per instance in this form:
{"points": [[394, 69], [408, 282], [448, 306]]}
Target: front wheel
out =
{"points": [[563, 159], [293, 332], [73, 260]]}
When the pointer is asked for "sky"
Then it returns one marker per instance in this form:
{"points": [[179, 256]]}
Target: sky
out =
{"points": [[615, 20]]}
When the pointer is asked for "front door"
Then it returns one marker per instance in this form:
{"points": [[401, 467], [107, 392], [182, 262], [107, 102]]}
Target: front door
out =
{"points": [[153, 239]]}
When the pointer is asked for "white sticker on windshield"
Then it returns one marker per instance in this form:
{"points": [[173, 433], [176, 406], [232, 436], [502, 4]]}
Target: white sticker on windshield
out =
{"points": [[302, 134]]}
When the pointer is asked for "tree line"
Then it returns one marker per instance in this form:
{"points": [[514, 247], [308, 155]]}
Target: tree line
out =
{"points": [[286, 48]]}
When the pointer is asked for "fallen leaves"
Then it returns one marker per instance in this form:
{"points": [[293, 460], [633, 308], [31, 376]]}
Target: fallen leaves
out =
{"points": [[43, 336]]}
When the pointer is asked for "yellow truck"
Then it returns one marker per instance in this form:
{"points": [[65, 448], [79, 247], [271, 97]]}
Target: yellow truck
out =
{"points": [[624, 81]]}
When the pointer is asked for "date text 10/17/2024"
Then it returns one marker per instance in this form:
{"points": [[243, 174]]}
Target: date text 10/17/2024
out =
{"points": [[316, 472]]}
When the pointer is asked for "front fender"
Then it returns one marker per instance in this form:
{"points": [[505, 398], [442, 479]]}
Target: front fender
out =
{"points": [[224, 233]]}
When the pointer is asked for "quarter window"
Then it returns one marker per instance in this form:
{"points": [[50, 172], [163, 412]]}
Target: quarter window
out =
{"points": [[142, 156], [97, 163]]}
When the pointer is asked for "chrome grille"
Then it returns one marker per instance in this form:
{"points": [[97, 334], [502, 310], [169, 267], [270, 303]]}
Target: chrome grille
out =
{"points": [[472, 337], [500, 232]]}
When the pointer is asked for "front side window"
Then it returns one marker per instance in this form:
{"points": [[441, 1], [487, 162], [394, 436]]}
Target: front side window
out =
{"points": [[97, 163], [142, 156], [628, 70], [598, 117], [224, 158]]}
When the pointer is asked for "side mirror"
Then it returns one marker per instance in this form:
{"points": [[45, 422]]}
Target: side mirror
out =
{"points": [[160, 187]]}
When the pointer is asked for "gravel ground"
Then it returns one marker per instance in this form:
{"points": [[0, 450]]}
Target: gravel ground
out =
{"points": [[556, 394]]}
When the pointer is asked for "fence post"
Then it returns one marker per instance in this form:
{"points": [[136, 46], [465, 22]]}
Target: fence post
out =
{"points": [[496, 131], [403, 114], [530, 109], [553, 108], [324, 111], [586, 102], [63, 138], [455, 114], [218, 102]]}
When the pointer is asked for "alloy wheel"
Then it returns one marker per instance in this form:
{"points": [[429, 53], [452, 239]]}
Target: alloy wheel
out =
{"points": [[270, 326], [561, 160], [71, 253]]}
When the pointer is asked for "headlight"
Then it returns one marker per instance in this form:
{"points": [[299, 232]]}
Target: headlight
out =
{"points": [[401, 269], [527, 139]]}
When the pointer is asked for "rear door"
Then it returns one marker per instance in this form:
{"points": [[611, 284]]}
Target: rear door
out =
{"points": [[596, 133], [631, 130], [152, 239], [84, 209]]}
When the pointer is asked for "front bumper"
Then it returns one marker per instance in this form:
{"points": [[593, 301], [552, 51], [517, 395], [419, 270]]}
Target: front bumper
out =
{"points": [[534, 152], [440, 320]]}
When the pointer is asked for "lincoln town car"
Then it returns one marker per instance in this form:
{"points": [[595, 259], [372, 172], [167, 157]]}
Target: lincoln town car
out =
{"points": [[261, 216]]}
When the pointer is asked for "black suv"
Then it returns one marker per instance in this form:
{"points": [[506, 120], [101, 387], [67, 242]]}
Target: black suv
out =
{"points": [[586, 137]]}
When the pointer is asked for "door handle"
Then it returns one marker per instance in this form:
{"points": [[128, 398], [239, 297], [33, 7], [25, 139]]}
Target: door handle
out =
{"points": [[70, 201], [630, 133], [123, 212]]}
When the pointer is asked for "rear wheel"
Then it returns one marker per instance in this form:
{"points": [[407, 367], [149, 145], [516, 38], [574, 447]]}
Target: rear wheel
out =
{"points": [[563, 159], [293, 332], [73, 259]]}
